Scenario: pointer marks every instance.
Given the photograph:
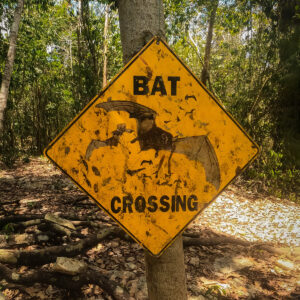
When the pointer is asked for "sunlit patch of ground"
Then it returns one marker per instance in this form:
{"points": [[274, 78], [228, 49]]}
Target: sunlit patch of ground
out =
{"points": [[256, 219]]}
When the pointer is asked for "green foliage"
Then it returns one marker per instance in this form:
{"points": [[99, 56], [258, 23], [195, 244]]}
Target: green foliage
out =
{"points": [[254, 70], [214, 292], [57, 70], [274, 177], [8, 228]]}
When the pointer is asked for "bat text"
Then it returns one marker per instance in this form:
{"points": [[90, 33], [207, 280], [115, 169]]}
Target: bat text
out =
{"points": [[141, 85]]}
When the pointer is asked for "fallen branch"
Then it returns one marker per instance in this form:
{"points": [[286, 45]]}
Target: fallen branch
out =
{"points": [[210, 238], [13, 286], [85, 218], [11, 201], [63, 281], [24, 239], [19, 218], [25, 224], [49, 254], [79, 199]]}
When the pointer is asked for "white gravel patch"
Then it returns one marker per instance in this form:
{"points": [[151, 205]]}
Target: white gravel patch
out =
{"points": [[260, 220]]}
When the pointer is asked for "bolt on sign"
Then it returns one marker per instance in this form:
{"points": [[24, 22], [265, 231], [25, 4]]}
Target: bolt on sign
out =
{"points": [[154, 148]]}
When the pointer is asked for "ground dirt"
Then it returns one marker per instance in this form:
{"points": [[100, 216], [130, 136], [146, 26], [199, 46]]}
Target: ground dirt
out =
{"points": [[219, 271]]}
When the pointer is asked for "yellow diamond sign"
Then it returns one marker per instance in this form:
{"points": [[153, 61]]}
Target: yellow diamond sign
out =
{"points": [[154, 148]]}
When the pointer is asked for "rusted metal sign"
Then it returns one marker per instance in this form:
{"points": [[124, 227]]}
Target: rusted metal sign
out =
{"points": [[154, 148]]}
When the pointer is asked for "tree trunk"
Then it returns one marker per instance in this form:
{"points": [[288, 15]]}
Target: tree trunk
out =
{"points": [[139, 22], [104, 77], [10, 60], [166, 274], [205, 70], [90, 42], [79, 86]]}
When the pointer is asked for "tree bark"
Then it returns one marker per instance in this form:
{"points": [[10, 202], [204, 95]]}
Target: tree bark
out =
{"points": [[10, 60], [139, 22], [205, 70], [104, 77], [90, 42], [79, 52], [166, 274]]}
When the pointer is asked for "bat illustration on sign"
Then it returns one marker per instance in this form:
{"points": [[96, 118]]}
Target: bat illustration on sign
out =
{"points": [[112, 141], [149, 136]]}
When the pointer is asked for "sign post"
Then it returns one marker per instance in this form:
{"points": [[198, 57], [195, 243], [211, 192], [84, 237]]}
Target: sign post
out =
{"points": [[154, 148]]}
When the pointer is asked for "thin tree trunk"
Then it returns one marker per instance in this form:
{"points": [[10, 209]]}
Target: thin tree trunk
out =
{"points": [[104, 78], [10, 60], [205, 70], [85, 16], [71, 56], [79, 87], [139, 22], [166, 274]]}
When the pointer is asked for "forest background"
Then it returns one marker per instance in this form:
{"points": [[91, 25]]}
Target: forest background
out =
{"points": [[250, 61]]}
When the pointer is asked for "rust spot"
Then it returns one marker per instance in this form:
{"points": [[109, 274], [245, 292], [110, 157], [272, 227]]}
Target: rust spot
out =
{"points": [[85, 164], [148, 233], [187, 97], [96, 187], [153, 221], [97, 132], [149, 72], [130, 96], [150, 162], [106, 181], [225, 168], [163, 183], [191, 114], [74, 171], [81, 128], [217, 142], [67, 150], [96, 171], [201, 124], [132, 172], [86, 180], [238, 170], [143, 61]]}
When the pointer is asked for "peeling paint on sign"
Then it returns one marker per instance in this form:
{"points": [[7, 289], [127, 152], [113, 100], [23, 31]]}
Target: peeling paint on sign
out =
{"points": [[154, 148]]}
